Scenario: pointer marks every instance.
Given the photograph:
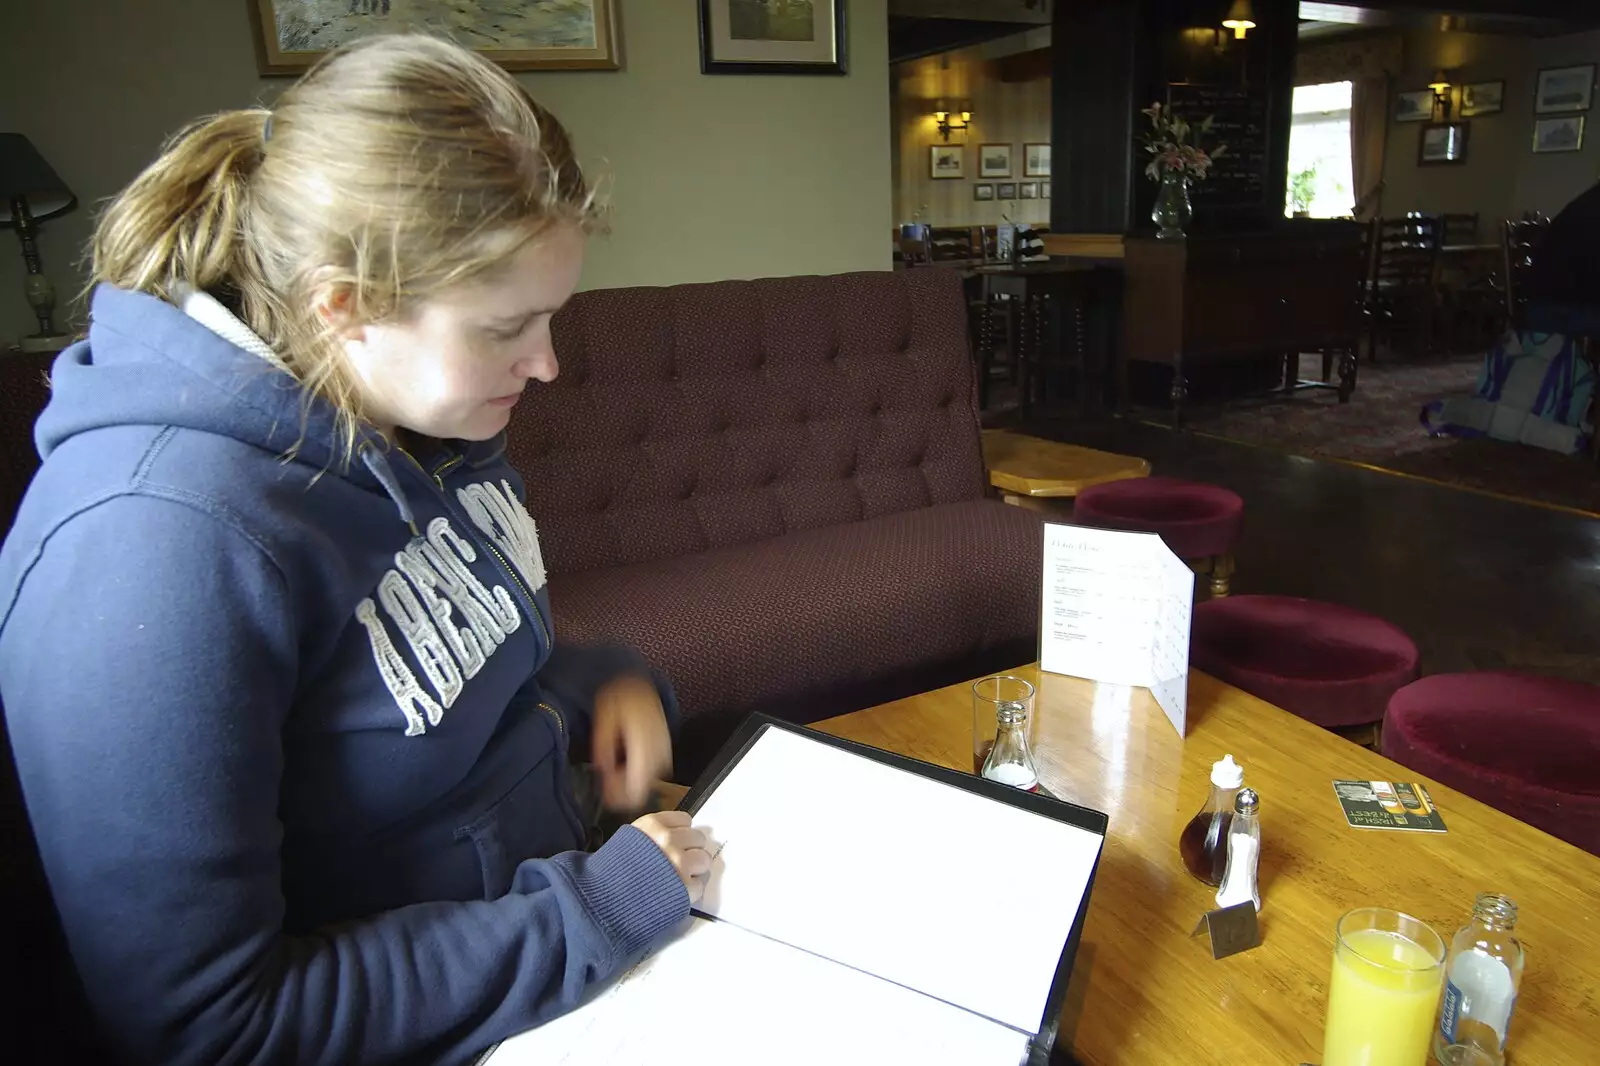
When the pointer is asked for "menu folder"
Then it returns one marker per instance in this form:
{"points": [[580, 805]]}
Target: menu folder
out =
{"points": [[881, 898]]}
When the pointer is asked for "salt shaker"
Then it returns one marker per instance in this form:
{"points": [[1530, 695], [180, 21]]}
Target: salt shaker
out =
{"points": [[1244, 852]]}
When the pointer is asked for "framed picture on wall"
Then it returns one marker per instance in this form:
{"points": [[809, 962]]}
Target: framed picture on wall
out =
{"points": [[1007, 190], [946, 161], [1442, 142], [1564, 89], [1044, 190], [994, 161], [772, 37], [1558, 134], [983, 192], [1414, 107], [1036, 160], [1029, 190], [572, 35], [1482, 98]]}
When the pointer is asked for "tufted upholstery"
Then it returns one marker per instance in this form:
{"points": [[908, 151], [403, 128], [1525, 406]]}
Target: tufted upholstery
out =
{"points": [[702, 416], [775, 489]]}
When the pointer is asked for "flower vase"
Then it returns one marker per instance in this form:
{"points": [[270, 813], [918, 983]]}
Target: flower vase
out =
{"points": [[1172, 210]]}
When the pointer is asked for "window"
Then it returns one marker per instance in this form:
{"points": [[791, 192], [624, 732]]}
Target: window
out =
{"points": [[1319, 152]]}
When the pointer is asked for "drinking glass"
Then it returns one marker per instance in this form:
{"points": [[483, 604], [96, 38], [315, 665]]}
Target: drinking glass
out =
{"points": [[1388, 971], [988, 695]]}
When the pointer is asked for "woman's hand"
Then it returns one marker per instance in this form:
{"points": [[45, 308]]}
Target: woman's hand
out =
{"points": [[683, 845], [632, 747]]}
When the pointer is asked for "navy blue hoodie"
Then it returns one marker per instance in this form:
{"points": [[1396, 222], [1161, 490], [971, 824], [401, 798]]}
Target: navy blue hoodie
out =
{"points": [[293, 734]]}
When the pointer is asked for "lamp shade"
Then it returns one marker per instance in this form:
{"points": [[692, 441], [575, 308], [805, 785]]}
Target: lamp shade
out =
{"points": [[24, 172]]}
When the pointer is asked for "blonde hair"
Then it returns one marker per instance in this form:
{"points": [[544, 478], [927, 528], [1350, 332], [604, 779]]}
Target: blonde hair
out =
{"points": [[395, 168]]}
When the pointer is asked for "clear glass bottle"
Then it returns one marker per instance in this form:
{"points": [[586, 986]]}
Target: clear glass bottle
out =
{"points": [[1010, 761], [1482, 976], [1204, 842], [1239, 881]]}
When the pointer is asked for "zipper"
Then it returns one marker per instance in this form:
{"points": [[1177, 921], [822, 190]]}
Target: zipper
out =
{"points": [[561, 725], [437, 477]]}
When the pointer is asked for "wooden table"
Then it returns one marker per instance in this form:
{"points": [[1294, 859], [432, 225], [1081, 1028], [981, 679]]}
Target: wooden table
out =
{"points": [[1144, 992], [1031, 472]]}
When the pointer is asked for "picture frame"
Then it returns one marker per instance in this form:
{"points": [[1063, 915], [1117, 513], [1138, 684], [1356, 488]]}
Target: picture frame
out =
{"points": [[1440, 143], [1044, 190], [1564, 89], [290, 35], [1029, 190], [1414, 106], [983, 192], [773, 37], [1006, 190], [994, 161], [1563, 134], [1036, 159], [1482, 98], [946, 161]]}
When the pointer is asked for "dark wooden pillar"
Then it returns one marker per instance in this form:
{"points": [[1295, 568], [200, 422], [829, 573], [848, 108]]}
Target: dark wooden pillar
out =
{"points": [[1112, 59]]}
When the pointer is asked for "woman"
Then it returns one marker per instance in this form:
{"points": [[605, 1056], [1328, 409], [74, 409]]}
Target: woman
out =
{"points": [[276, 654]]}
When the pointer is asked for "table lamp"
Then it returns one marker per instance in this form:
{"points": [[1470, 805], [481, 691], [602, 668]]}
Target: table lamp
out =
{"points": [[30, 191]]}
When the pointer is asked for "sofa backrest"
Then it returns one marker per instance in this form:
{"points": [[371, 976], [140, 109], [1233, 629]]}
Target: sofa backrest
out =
{"points": [[697, 416]]}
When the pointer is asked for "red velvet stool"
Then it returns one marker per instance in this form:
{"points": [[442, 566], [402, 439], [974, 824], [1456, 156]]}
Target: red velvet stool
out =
{"points": [[1197, 521], [1329, 664], [1529, 746]]}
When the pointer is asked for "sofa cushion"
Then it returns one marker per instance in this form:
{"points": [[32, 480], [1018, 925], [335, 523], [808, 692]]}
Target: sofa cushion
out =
{"points": [[815, 611], [698, 417]]}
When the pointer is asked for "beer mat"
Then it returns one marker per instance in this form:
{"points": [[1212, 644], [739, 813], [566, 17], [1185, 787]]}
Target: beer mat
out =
{"points": [[1399, 805]]}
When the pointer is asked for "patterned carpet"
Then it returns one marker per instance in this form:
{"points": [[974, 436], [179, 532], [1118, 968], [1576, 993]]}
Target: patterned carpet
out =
{"points": [[1380, 427]]}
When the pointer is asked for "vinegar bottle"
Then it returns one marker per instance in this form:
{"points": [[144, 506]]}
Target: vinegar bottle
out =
{"points": [[1204, 843]]}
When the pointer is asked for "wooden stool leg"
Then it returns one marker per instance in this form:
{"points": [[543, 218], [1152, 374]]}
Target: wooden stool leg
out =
{"points": [[1221, 574]]}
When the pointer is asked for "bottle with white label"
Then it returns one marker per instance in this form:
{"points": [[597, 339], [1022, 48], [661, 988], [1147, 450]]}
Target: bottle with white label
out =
{"points": [[1482, 976]]}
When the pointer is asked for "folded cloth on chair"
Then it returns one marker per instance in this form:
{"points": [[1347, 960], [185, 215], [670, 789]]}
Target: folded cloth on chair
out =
{"points": [[1534, 388]]}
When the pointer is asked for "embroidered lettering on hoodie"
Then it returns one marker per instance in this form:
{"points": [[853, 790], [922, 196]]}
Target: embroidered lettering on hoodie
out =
{"points": [[449, 619]]}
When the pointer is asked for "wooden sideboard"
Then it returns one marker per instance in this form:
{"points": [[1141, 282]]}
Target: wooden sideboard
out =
{"points": [[1221, 298]]}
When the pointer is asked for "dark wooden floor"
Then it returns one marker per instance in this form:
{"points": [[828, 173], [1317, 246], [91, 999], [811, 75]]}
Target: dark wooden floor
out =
{"points": [[1480, 583]]}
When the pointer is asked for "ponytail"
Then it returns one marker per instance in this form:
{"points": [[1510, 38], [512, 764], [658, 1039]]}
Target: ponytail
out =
{"points": [[399, 166], [181, 221]]}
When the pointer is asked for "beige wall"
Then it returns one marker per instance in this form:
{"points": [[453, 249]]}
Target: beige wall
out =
{"points": [[1008, 112], [712, 177], [1502, 176]]}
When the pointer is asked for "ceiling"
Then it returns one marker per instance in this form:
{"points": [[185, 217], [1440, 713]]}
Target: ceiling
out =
{"points": [[927, 27]]}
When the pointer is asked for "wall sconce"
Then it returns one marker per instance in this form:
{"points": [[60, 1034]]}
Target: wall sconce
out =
{"points": [[1241, 19], [1441, 92], [941, 119]]}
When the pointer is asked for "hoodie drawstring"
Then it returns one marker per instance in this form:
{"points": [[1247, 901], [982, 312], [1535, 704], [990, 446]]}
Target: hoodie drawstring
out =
{"points": [[380, 469]]}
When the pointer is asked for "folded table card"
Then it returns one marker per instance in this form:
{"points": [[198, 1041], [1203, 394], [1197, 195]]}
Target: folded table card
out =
{"points": [[1115, 608]]}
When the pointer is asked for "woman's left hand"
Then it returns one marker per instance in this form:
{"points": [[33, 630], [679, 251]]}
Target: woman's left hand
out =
{"points": [[632, 747]]}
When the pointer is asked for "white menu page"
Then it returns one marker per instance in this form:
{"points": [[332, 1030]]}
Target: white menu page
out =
{"points": [[1115, 608], [863, 892]]}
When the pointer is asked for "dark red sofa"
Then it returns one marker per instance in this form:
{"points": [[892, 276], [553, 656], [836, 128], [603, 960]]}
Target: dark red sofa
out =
{"points": [[775, 490]]}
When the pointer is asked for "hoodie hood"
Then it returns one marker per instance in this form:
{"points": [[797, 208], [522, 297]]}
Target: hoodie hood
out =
{"points": [[147, 362]]}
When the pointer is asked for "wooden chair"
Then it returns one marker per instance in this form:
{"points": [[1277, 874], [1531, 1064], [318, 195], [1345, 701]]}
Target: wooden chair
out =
{"points": [[951, 244], [1402, 298], [1520, 242], [1458, 228]]}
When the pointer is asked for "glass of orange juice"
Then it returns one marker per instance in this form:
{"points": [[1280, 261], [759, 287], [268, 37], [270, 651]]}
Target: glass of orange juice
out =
{"points": [[1388, 970]]}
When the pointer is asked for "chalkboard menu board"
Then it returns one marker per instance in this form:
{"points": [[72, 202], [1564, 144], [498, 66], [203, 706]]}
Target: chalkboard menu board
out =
{"points": [[1239, 178]]}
